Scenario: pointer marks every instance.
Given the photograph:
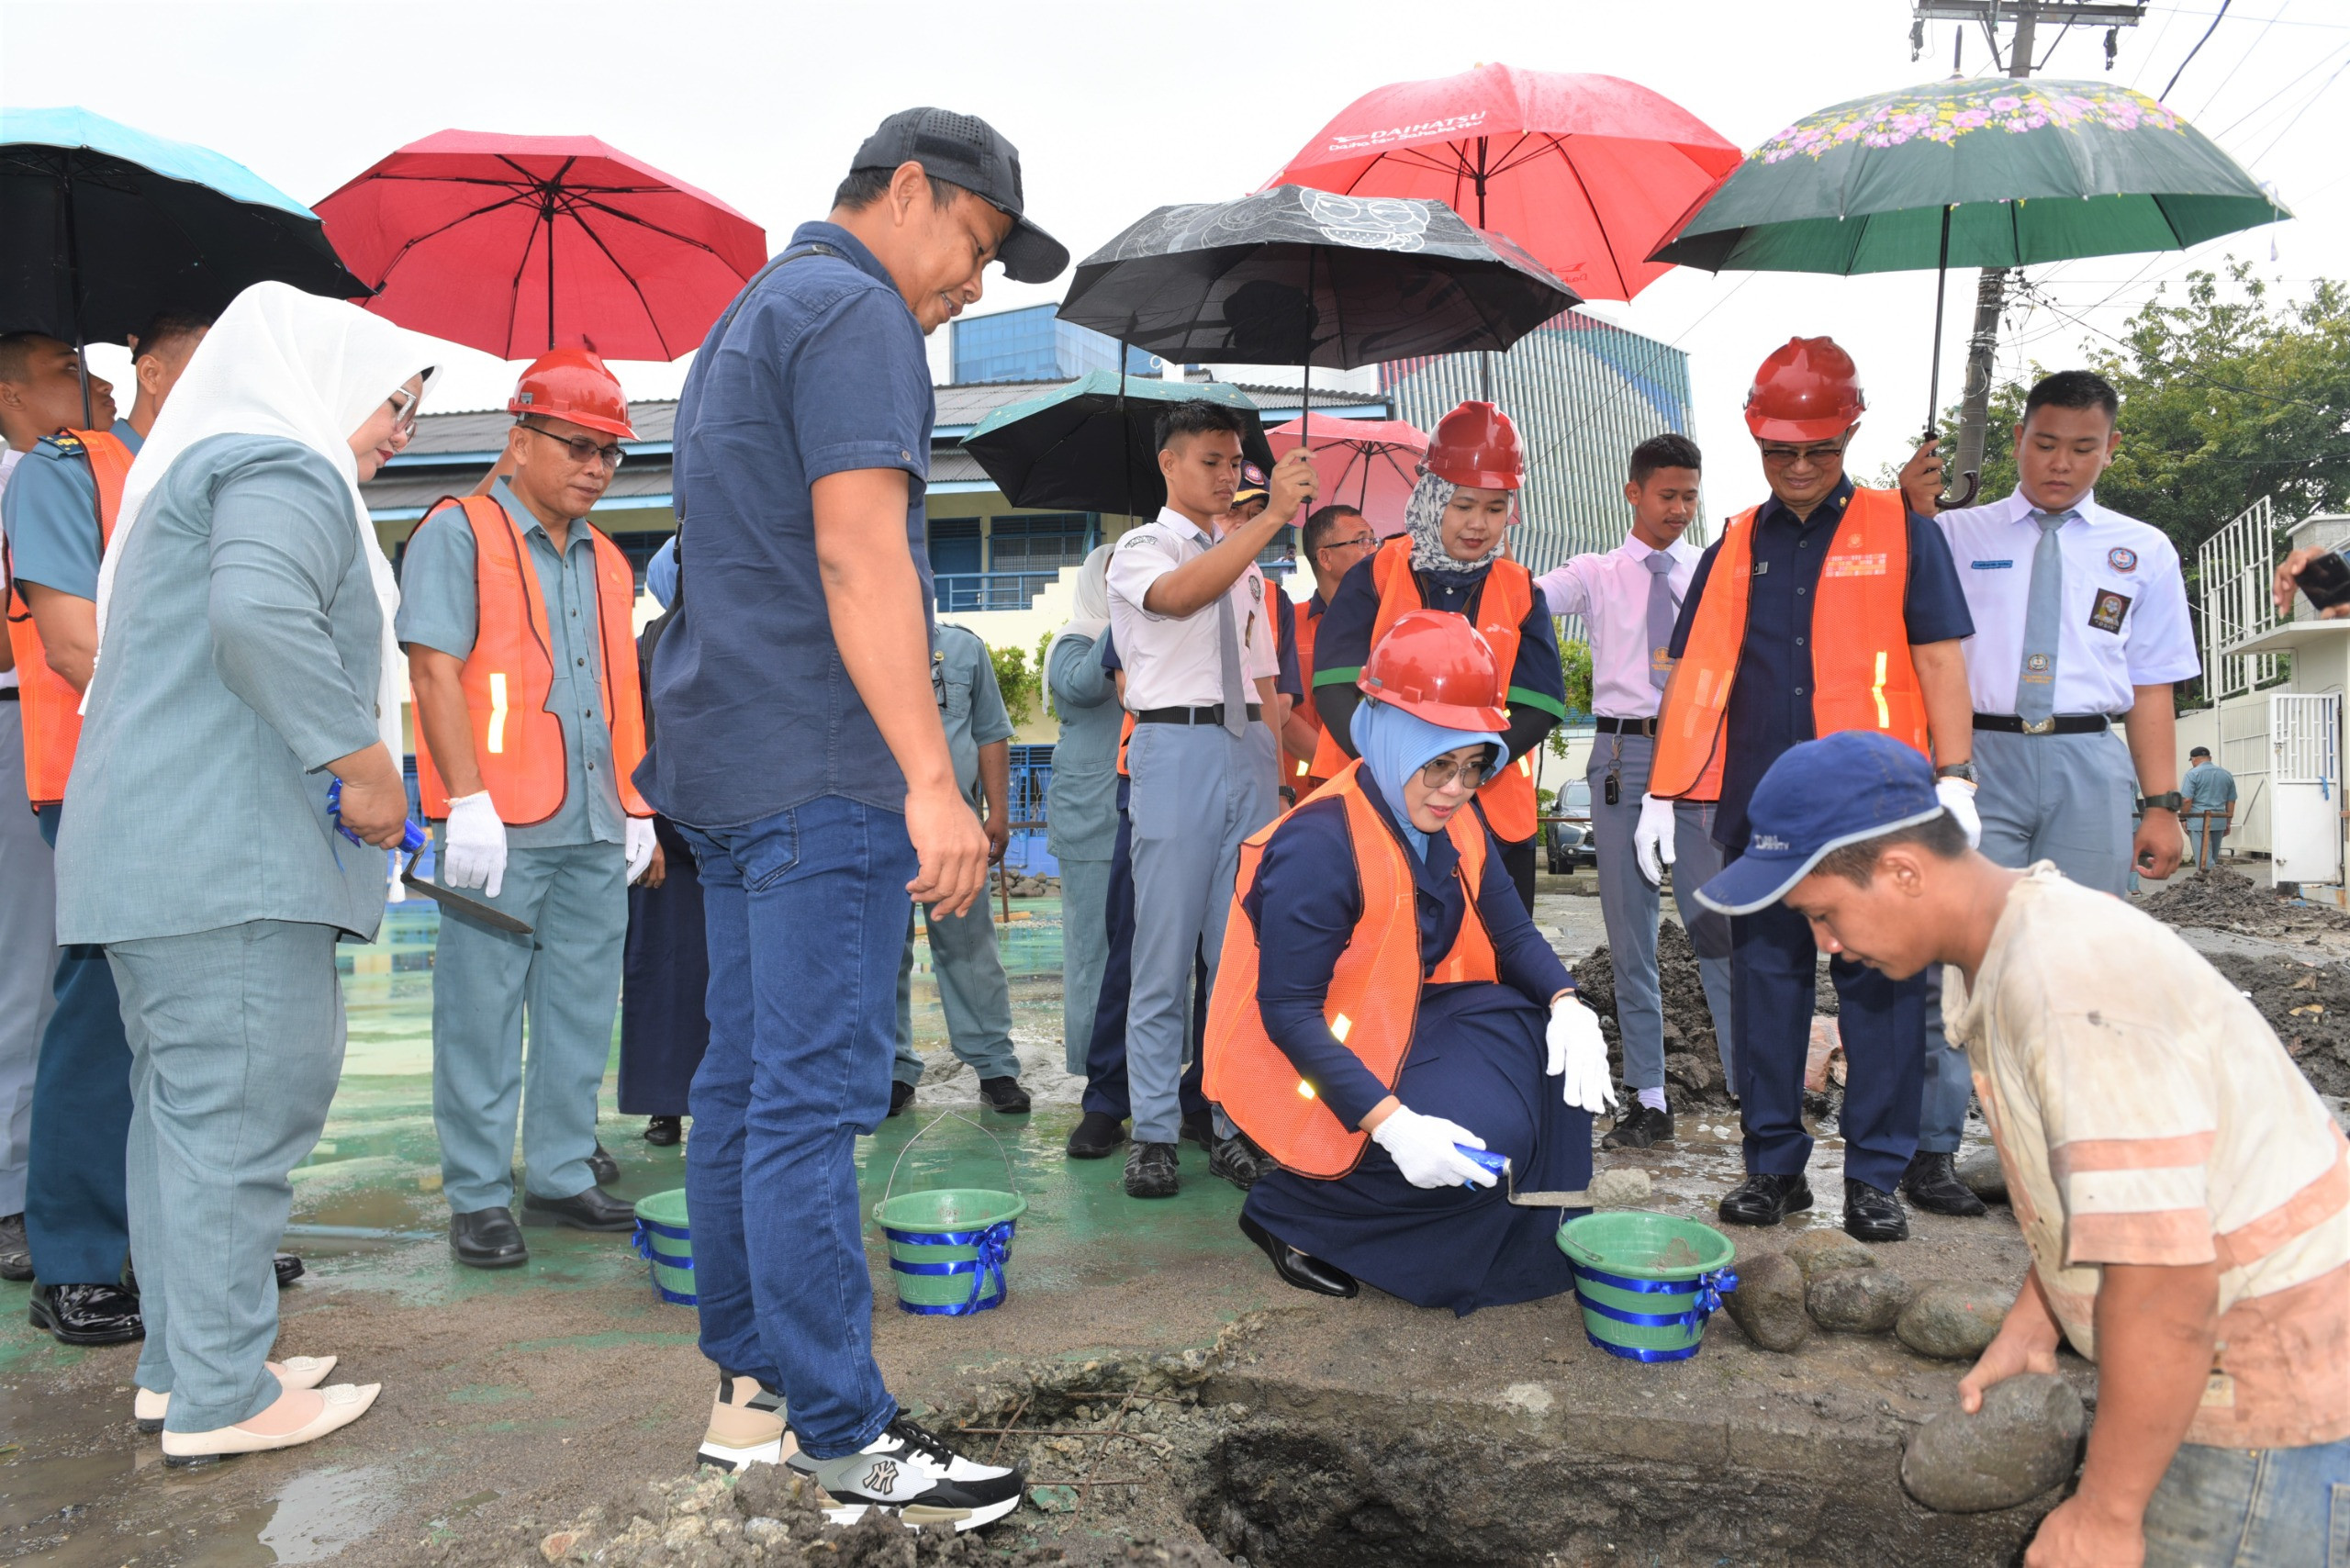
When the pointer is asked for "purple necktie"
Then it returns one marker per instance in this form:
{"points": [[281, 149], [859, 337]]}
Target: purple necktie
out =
{"points": [[1664, 611]]}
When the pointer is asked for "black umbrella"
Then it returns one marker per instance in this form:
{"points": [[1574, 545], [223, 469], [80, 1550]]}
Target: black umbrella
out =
{"points": [[1092, 445]]}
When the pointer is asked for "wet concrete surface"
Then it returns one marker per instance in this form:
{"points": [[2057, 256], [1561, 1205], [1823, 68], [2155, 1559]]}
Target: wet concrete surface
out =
{"points": [[514, 1399]]}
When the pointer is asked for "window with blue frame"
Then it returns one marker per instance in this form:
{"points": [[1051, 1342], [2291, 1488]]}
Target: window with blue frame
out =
{"points": [[1038, 542]]}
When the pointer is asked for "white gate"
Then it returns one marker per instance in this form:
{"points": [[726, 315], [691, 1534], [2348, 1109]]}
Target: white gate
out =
{"points": [[2305, 783]]}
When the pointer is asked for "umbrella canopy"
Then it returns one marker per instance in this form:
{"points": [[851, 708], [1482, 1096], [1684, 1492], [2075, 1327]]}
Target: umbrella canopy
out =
{"points": [[1369, 465], [1092, 445], [518, 244], [101, 226], [2027, 171], [1301, 276], [1590, 174]]}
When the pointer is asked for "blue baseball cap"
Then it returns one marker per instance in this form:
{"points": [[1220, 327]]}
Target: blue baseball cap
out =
{"points": [[1819, 796]]}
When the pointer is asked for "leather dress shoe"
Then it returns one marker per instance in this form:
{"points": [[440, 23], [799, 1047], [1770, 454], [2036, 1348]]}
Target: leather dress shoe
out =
{"points": [[603, 1167], [901, 1094], [662, 1132], [1765, 1199], [1302, 1270], [1095, 1135], [1932, 1182], [86, 1315], [1151, 1172], [1003, 1095], [488, 1238], [592, 1209], [288, 1267], [1237, 1160], [1872, 1214], [16, 1252]]}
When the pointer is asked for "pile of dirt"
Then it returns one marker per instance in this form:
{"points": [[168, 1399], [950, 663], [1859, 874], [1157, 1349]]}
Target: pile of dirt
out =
{"points": [[2306, 1004], [2222, 900], [1693, 1062]]}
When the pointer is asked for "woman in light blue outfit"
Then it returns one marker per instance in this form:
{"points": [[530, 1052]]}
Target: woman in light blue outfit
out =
{"points": [[1081, 818], [245, 664]]}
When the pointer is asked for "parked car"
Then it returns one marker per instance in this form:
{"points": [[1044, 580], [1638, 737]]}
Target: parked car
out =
{"points": [[1568, 844]]}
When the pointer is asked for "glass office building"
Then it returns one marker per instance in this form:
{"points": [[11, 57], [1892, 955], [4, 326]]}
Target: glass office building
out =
{"points": [[1035, 345]]}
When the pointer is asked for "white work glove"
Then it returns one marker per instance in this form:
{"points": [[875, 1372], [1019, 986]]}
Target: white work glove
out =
{"points": [[638, 844], [1422, 1149], [1579, 1055], [1652, 839], [473, 853], [1957, 797]]}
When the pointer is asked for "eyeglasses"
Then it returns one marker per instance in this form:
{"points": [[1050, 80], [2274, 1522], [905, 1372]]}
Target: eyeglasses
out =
{"points": [[1820, 452], [582, 449], [1362, 542], [1445, 769], [403, 402]]}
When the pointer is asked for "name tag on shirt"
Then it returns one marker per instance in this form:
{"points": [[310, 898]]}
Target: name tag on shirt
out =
{"points": [[1762, 568], [1873, 566], [2107, 610], [1991, 566]]}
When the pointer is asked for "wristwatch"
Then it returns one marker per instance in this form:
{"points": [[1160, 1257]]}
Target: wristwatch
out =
{"points": [[2170, 802], [1957, 770]]}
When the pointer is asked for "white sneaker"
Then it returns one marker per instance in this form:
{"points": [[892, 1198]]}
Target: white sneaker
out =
{"points": [[909, 1472]]}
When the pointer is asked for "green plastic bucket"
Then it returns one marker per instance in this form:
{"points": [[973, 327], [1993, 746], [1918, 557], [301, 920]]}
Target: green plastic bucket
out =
{"points": [[949, 1245], [1647, 1281], [666, 1245]]}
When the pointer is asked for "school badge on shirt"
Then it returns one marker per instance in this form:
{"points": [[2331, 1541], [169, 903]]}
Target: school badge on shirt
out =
{"points": [[2121, 559], [2106, 614]]}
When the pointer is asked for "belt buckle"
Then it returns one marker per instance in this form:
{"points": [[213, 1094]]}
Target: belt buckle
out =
{"points": [[2041, 726]]}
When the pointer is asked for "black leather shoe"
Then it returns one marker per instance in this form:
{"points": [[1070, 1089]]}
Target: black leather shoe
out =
{"points": [[1640, 1128], [1237, 1160], [1003, 1095], [488, 1238], [662, 1132], [1302, 1270], [901, 1096], [590, 1209], [1932, 1182], [603, 1167], [287, 1267], [1765, 1199], [1871, 1214], [1151, 1172], [15, 1253], [1095, 1135], [1199, 1127], [86, 1315]]}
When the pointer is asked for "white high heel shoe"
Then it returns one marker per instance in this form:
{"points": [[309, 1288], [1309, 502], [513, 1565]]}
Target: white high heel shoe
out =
{"points": [[295, 1371]]}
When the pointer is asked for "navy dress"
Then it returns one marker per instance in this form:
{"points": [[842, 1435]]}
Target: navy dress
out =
{"points": [[664, 965], [1477, 1057]]}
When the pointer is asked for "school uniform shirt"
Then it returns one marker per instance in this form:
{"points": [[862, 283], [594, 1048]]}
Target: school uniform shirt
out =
{"points": [[970, 703], [51, 512], [2208, 786], [1174, 662], [1610, 592], [2124, 624], [2146, 1115]]}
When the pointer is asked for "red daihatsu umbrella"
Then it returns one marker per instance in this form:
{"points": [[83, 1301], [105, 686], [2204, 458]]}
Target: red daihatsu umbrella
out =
{"points": [[1590, 174], [518, 244], [1369, 465]]}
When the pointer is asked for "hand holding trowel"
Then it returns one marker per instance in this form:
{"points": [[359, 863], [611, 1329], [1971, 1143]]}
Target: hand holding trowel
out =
{"points": [[412, 842]]}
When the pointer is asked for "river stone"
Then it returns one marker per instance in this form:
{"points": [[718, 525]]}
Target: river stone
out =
{"points": [[1857, 1301], [1768, 1302], [2023, 1442], [1827, 1250], [1953, 1322], [1983, 1176]]}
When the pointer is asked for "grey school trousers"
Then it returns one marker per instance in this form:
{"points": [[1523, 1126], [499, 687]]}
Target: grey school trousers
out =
{"points": [[28, 955]]}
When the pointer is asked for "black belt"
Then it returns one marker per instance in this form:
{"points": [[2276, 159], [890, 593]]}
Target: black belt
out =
{"points": [[7, 694], [1607, 726], [1212, 716], [2061, 724]]}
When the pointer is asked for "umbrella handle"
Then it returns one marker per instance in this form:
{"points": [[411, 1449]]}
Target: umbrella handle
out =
{"points": [[1966, 498]]}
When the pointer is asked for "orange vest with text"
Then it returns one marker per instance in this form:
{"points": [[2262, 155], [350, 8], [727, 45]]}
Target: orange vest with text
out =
{"points": [[1502, 608], [1373, 1002], [52, 716], [1862, 675], [518, 744]]}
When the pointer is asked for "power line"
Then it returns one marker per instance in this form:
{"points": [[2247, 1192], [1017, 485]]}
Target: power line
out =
{"points": [[2249, 50], [2163, 96], [2305, 108], [2277, 98]]}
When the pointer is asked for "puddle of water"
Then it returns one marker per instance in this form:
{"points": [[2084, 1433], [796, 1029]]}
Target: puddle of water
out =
{"points": [[321, 1513]]}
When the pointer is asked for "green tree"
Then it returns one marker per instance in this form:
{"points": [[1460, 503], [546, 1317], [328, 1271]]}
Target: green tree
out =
{"points": [[1574, 664], [1020, 679]]}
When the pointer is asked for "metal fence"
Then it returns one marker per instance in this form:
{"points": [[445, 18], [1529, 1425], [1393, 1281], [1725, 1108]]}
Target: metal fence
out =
{"points": [[968, 591], [2232, 571]]}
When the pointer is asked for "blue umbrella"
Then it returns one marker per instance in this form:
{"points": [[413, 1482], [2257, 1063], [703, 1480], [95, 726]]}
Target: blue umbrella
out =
{"points": [[101, 226]]}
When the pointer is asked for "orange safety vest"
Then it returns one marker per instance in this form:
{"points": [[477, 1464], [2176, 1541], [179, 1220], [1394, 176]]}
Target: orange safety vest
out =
{"points": [[1502, 608], [1373, 1002], [518, 744], [1862, 675], [52, 709], [1306, 776]]}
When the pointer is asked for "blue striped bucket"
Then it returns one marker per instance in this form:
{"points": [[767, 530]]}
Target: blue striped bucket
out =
{"points": [[666, 1245]]}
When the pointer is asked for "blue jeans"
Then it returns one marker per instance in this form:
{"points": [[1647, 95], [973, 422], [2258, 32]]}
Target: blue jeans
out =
{"points": [[2252, 1509], [806, 912]]}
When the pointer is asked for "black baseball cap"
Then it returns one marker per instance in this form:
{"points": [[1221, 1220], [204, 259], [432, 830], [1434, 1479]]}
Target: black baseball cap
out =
{"points": [[968, 151], [2201, 751]]}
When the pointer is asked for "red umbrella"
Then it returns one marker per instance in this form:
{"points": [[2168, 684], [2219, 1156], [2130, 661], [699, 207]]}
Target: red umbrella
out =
{"points": [[1369, 465], [518, 245], [1588, 172]]}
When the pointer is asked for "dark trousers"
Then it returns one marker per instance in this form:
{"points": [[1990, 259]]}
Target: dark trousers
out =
{"points": [[1774, 980], [1105, 1054], [665, 974], [77, 1211], [1517, 859]]}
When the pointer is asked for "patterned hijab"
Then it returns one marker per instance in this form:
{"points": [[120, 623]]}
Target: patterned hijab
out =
{"points": [[1423, 518]]}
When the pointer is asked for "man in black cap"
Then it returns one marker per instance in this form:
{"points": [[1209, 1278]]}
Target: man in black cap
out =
{"points": [[798, 749]]}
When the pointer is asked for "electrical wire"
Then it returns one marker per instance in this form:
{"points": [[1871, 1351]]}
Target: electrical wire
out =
{"points": [[2163, 96], [2239, 65], [2305, 108]]}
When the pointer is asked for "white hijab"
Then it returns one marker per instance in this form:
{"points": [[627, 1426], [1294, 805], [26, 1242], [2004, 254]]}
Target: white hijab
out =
{"points": [[282, 363], [1093, 617]]}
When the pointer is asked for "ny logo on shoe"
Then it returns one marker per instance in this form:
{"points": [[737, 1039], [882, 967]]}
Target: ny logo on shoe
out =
{"points": [[882, 1478]]}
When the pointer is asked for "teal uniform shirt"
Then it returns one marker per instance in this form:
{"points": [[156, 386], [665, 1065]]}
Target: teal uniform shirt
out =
{"points": [[970, 704], [439, 607], [2207, 788], [51, 512]]}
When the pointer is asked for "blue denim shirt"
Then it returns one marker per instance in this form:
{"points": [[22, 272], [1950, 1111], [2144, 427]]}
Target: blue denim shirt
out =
{"points": [[820, 371]]}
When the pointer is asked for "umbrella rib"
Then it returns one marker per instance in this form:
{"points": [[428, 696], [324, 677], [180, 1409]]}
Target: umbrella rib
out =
{"points": [[409, 244], [626, 277], [573, 201], [1605, 241]]}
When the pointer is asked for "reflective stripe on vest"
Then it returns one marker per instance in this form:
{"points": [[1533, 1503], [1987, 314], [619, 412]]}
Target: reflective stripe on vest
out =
{"points": [[1373, 1002], [518, 744], [1862, 674], [1501, 610], [1303, 775], [52, 716]]}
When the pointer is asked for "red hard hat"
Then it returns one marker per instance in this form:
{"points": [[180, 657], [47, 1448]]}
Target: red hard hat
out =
{"points": [[1436, 666], [1809, 390], [573, 385], [1475, 444]]}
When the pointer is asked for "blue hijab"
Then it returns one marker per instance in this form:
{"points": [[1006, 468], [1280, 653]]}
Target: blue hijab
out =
{"points": [[1394, 745]]}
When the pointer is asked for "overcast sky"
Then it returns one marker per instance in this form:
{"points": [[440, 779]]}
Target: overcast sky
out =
{"points": [[1118, 106]]}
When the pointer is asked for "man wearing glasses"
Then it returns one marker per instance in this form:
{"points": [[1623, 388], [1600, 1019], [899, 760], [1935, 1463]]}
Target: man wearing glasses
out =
{"points": [[1826, 608], [529, 724], [1334, 538]]}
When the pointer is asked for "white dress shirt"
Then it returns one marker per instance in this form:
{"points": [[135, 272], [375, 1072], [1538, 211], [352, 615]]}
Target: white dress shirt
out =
{"points": [[2125, 605], [1610, 592], [1173, 661]]}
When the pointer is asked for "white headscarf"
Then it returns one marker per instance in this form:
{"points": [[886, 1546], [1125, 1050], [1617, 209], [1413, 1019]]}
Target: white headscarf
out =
{"points": [[282, 363], [1092, 616]]}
